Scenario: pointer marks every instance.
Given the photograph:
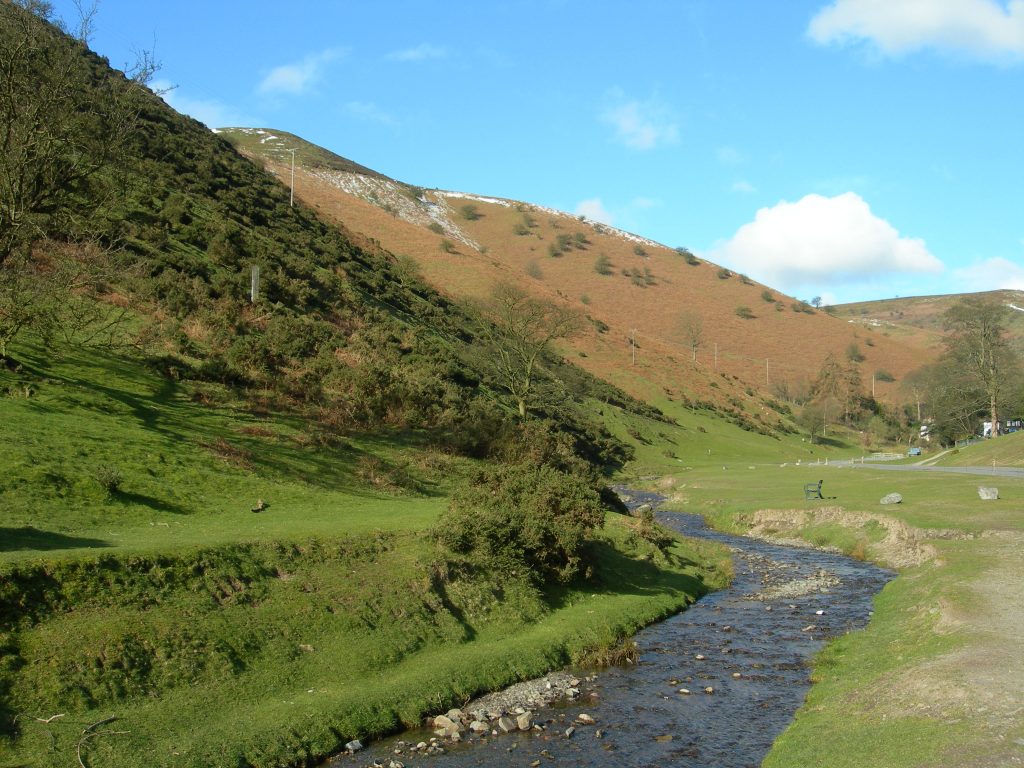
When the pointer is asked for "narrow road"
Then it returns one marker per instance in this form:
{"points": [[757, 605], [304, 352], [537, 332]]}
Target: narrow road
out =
{"points": [[982, 471]]}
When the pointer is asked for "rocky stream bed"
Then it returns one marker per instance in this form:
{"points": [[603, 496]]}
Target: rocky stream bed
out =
{"points": [[713, 686]]}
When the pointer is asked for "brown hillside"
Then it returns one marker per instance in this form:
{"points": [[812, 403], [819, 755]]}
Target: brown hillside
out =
{"points": [[650, 290], [918, 319]]}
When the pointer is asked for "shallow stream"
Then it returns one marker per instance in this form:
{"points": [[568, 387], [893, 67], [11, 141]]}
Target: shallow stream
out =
{"points": [[751, 644]]}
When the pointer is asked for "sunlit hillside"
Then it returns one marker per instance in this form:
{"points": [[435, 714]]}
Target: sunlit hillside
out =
{"points": [[918, 319], [755, 344]]}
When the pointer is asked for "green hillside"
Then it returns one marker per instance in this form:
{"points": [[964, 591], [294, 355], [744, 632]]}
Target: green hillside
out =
{"points": [[279, 144]]}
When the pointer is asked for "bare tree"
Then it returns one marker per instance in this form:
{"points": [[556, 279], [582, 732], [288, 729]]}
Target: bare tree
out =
{"points": [[977, 345], [692, 326], [64, 126], [839, 384], [520, 331]]}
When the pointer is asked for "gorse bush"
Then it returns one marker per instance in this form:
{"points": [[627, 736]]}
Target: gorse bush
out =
{"points": [[109, 477], [523, 521]]}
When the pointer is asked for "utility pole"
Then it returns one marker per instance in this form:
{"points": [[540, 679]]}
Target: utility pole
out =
{"points": [[291, 198], [254, 283]]}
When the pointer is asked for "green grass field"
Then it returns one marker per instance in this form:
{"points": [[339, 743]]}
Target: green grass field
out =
{"points": [[934, 679], [321, 618], [139, 585], [1002, 451]]}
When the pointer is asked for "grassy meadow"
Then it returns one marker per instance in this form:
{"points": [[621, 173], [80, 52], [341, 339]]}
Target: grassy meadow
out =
{"points": [[933, 680], [138, 584]]}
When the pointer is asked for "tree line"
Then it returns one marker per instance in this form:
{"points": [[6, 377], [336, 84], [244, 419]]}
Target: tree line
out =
{"points": [[977, 378]]}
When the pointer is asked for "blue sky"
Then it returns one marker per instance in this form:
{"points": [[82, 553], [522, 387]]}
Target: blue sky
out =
{"points": [[848, 149]]}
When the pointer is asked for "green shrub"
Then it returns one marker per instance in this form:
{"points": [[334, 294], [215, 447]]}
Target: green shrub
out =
{"points": [[520, 518], [768, 296], [649, 530], [533, 270], [109, 477], [723, 274], [640, 277], [883, 375], [436, 228], [744, 313], [392, 478], [470, 212], [603, 265], [639, 250]]}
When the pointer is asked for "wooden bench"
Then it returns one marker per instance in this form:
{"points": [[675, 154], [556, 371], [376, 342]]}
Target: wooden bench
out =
{"points": [[813, 490]]}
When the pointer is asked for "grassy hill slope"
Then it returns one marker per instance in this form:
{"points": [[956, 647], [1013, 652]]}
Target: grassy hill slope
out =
{"points": [[318, 619]]}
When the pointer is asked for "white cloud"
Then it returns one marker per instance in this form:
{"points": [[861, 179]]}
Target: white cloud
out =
{"points": [[822, 239], [212, 113], [297, 78], [422, 52], [640, 124], [990, 275], [370, 112], [594, 210], [986, 29], [744, 186]]}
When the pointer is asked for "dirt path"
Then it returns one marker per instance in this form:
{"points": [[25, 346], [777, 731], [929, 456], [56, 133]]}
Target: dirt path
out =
{"points": [[977, 687], [984, 680]]}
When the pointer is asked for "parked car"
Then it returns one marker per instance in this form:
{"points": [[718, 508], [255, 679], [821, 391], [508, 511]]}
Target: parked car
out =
{"points": [[915, 451]]}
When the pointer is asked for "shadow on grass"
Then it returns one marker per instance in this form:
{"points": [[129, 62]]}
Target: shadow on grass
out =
{"points": [[27, 537], [617, 573], [830, 442], [160, 505], [140, 398]]}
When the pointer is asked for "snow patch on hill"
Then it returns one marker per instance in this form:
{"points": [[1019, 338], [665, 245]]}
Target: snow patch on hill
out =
{"points": [[399, 200], [597, 225]]}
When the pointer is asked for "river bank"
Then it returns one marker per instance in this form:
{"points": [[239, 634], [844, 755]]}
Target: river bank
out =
{"points": [[934, 680], [277, 653], [712, 686]]}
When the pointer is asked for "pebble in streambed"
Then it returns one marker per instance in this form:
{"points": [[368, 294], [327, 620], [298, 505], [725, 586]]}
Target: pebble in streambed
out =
{"points": [[713, 686]]}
